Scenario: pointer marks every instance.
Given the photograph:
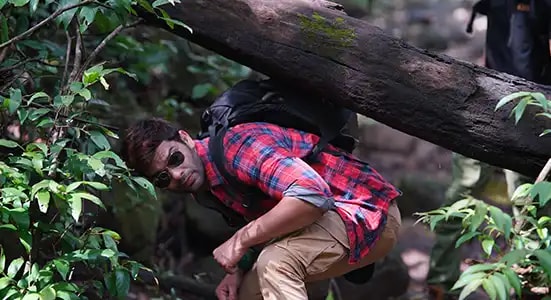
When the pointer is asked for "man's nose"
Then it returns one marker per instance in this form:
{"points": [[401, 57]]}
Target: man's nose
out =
{"points": [[176, 173]]}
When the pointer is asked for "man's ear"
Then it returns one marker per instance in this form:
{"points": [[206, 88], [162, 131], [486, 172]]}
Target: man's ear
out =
{"points": [[186, 138]]}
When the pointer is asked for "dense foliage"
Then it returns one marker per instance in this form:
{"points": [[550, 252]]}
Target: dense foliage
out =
{"points": [[518, 246], [56, 154]]}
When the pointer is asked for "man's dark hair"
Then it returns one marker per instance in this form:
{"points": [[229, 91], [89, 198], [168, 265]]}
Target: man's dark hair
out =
{"points": [[142, 139]]}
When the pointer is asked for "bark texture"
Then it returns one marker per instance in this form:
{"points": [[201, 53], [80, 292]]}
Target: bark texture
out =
{"points": [[314, 46]]}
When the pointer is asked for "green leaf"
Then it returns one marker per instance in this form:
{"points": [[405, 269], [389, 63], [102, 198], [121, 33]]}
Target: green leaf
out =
{"points": [[541, 99], [85, 93], [8, 227], [542, 191], [91, 198], [39, 145], [157, 3], [66, 17], [465, 279], [502, 221], [521, 191], [62, 267], [97, 185], [104, 83], [37, 113], [2, 259], [67, 295], [466, 237], [488, 245], [33, 6], [434, 220], [40, 185], [545, 132], [64, 100], [26, 239], [31, 296], [88, 14], [510, 97], [170, 22], [100, 140], [500, 287], [519, 108], [109, 154], [146, 184], [109, 242], [479, 214], [19, 3], [4, 282], [14, 267], [8, 143], [43, 201], [146, 5], [544, 257], [122, 282], [478, 268], [48, 293], [71, 187], [21, 218], [75, 203], [22, 114], [15, 100], [490, 288], [470, 288], [514, 280], [514, 257]]}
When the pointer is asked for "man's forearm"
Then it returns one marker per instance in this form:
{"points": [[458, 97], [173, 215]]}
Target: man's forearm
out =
{"points": [[289, 215]]}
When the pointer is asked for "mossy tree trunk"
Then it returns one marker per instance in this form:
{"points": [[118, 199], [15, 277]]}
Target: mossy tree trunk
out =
{"points": [[315, 47]]}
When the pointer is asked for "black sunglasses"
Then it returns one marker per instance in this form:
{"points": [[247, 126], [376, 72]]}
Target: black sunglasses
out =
{"points": [[162, 180]]}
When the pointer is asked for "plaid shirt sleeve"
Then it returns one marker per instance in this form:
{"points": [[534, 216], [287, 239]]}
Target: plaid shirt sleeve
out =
{"points": [[262, 158]]}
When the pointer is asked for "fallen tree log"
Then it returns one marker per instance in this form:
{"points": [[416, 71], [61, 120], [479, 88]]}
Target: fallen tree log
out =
{"points": [[316, 47]]}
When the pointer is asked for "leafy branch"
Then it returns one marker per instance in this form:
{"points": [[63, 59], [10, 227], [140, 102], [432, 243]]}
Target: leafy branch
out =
{"points": [[43, 22]]}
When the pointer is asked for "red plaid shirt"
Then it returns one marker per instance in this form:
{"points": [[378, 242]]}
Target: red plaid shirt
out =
{"points": [[269, 157]]}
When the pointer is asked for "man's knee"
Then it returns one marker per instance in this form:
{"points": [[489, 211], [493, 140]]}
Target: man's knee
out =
{"points": [[275, 261]]}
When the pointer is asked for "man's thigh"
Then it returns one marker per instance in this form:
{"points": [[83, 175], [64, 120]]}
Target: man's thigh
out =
{"points": [[288, 261]]}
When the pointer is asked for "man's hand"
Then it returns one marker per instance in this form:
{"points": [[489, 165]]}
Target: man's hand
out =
{"points": [[228, 287], [229, 253]]}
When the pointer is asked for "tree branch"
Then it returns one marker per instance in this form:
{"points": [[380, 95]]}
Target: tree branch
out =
{"points": [[77, 61], [104, 42], [64, 78], [544, 172], [17, 65], [43, 22]]}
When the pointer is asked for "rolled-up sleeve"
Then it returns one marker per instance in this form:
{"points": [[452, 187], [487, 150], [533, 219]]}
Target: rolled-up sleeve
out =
{"points": [[265, 161]]}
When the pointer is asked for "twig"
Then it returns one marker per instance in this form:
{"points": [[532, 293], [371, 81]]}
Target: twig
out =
{"points": [[43, 22], [104, 42], [77, 61], [17, 65], [67, 58], [544, 172], [3, 54]]}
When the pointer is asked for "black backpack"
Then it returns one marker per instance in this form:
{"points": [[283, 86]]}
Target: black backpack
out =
{"points": [[517, 38]]}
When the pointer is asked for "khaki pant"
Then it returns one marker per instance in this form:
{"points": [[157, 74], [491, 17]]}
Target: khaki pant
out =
{"points": [[317, 252]]}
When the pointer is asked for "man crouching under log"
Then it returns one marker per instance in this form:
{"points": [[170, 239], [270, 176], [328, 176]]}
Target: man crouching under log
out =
{"points": [[316, 221]]}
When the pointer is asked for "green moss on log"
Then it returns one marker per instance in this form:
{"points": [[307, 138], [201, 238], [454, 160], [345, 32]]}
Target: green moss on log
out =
{"points": [[334, 33]]}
